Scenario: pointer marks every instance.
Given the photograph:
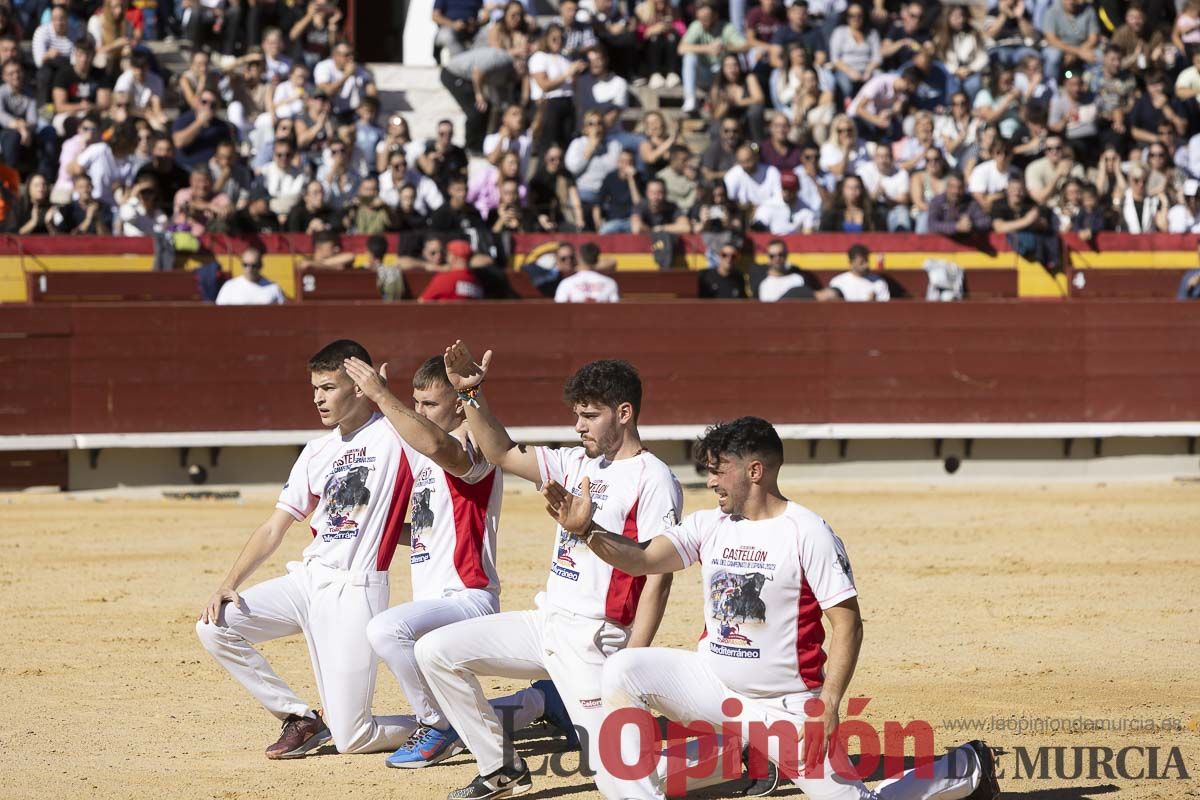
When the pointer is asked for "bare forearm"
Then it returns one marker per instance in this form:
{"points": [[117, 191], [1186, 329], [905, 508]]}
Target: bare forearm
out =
{"points": [[425, 437], [489, 433], [263, 542], [844, 646], [651, 606]]}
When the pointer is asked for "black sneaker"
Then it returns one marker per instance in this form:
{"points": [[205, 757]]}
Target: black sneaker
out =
{"points": [[504, 782], [759, 786], [989, 787]]}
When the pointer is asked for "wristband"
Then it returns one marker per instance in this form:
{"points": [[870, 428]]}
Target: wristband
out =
{"points": [[470, 396]]}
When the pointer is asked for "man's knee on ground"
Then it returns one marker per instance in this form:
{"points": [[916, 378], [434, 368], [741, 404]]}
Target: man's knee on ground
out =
{"points": [[350, 736]]}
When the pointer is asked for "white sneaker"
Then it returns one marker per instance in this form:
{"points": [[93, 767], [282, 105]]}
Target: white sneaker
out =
{"points": [[689, 105], [657, 81], [672, 80]]}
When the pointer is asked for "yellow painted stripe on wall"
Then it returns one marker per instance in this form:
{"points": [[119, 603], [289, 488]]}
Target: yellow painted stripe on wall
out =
{"points": [[1134, 259]]}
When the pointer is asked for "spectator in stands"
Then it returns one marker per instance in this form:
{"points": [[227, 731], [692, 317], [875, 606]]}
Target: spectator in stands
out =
{"points": [[457, 282], [702, 47], [1184, 216], [679, 178], [79, 87], [781, 277], [313, 214], [1010, 31], [231, 177], [762, 23], [346, 82], [33, 213], [367, 213], [316, 32], [1165, 159], [1029, 227], [586, 285], [84, 215], [389, 278], [751, 183], [144, 89], [777, 150], [168, 175], [198, 208], [591, 157], [278, 64], [616, 33], [396, 139], [198, 77], [854, 52], [620, 191], [1142, 44], [256, 216], [508, 218], [853, 210], [721, 155], [367, 136], [1075, 115], [457, 21], [553, 196], [196, 134], [657, 214], [659, 30], [86, 134], [723, 281], [283, 179], [53, 47], [250, 97], [960, 49], [810, 165], [600, 88], [443, 159], [927, 184], [479, 79], [109, 165], [250, 288], [859, 283], [551, 88], [1094, 216], [511, 137], [716, 217], [803, 94], [1108, 177], [430, 254], [738, 94], [578, 34], [956, 131], [513, 33], [878, 107], [845, 152], [889, 187], [456, 215], [798, 32], [1142, 212], [141, 214], [910, 151], [314, 129], [19, 135], [547, 272], [483, 189], [289, 98], [1072, 33], [1045, 177], [327, 253], [338, 179], [989, 180], [954, 212], [789, 212], [115, 37], [426, 195], [657, 140], [10, 25]]}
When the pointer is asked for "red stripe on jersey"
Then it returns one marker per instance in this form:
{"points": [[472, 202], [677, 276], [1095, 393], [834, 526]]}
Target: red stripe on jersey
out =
{"points": [[393, 524], [810, 635], [314, 531], [624, 589], [470, 502]]}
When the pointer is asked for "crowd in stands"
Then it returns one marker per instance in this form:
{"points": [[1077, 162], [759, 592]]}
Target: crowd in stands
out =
{"points": [[1020, 117]]}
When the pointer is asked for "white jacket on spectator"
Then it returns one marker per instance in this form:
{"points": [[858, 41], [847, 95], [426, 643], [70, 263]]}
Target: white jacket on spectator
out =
{"points": [[284, 185], [241, 291], [134, 220], [755, 189]]}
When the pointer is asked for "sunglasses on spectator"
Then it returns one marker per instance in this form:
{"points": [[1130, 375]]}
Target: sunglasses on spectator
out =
{"points": [[252, 264], [87, 128], [283, 153], [776, 254], [729, 254], [845, 130]]}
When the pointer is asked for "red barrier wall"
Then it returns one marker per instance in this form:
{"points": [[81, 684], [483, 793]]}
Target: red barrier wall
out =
{"points": [[174, 367]]}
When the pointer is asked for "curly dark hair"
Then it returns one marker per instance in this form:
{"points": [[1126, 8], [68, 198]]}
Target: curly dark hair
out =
{"points": [[330, 357], [744, 436], [608, 382]]}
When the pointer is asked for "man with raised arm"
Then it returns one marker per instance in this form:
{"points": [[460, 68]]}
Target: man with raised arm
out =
{"points": [[771, 568], [589, 610], [456, 497]]}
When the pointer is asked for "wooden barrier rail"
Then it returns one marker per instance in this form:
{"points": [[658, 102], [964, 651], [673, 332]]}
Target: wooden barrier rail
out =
{"points": [[111, 368]]}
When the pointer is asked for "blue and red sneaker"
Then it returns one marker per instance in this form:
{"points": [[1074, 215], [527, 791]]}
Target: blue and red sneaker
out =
{"points": [[425, 747]]}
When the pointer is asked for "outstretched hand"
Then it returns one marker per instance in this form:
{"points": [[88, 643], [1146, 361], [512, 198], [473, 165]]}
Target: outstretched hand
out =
{"points": [[573, 514], [461, 369], [372, 384]]}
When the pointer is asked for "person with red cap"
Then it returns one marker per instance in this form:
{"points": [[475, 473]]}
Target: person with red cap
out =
{"points": [[792, 210], [457, 282]]}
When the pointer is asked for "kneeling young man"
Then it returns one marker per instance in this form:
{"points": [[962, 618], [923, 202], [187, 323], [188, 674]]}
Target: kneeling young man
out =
{"points": [[771, 568], [589, 611], [355, 483]]}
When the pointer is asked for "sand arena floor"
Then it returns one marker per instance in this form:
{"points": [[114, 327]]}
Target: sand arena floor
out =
{"points": [[1015, 602]]}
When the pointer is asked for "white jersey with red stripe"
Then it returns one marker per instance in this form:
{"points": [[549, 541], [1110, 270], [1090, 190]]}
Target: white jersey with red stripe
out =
{"points": [[638, 497], [356, 487], [454, 526], [765, 585]]}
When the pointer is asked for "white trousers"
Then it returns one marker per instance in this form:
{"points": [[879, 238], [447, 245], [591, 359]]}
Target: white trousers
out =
{"points": [[547, 642], [331, 608], [679, 685], [394, 633]]}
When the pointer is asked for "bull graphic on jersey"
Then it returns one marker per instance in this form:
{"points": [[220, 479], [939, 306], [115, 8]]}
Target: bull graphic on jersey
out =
{"points": [[344, 493], [844, 565], [735, 596], [422, 514]]}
